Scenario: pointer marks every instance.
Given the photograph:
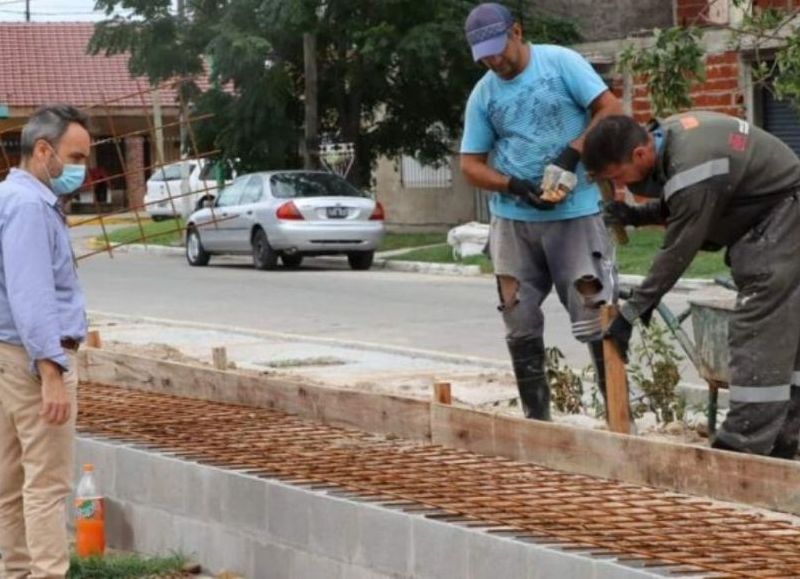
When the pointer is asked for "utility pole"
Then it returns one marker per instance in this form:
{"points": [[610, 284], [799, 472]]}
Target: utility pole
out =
{"points": [[186, 202], [311, 141], [27, 10]]}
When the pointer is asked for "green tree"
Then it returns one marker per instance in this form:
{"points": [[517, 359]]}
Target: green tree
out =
{"points": [[394, 75], [670, 68]]}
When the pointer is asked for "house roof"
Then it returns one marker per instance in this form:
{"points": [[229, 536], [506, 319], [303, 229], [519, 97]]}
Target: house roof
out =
{"points": [[46, 62]]}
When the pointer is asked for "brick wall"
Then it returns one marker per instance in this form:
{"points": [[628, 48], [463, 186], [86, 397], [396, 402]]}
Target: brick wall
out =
{"points": [[720, 92], [689, 11]]}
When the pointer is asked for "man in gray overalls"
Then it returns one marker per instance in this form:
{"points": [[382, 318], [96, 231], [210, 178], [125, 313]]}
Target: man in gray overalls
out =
{"points": [[720, 182]]}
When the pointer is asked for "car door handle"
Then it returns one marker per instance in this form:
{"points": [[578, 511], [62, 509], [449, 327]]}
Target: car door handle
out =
{"points": [[249, 212]]}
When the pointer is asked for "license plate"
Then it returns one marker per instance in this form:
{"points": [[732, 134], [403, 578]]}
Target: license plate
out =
{"points": [[337, 212]]}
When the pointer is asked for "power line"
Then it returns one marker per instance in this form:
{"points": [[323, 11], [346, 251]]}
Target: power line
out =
{"points": [[37, 13]]}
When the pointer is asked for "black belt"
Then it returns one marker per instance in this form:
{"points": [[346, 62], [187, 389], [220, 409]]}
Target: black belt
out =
{"points": [[70, 344]]}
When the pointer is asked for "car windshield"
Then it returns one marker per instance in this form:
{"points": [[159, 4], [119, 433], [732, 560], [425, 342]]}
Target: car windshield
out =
{"points": [[217, 170], [170, 173], [292, 185]]}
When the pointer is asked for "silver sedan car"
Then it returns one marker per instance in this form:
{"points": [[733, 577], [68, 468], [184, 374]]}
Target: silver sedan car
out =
{"points": [[286, 215]]}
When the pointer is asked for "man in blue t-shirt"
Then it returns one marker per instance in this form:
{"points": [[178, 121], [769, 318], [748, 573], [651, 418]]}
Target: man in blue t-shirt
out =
{"points": [[523, 135]]}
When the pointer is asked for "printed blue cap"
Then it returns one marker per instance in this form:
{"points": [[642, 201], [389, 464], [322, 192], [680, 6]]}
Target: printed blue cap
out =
{"points": [[487, 29]]}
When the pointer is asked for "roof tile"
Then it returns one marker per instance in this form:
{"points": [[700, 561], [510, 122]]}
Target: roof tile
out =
{"points": [[46, 62]]}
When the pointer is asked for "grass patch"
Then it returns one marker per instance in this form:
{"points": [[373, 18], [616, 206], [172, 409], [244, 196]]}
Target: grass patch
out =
{"points": [[124, 566], [634, 258], [157, 233], [444, 254], [637, 256], [402, 240]]}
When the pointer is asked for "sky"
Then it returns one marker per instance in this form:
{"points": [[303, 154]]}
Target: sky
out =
{"points": [[49, 10]]}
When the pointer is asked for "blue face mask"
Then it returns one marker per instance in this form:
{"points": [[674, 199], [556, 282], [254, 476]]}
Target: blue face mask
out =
{"points": [[69, 181]]}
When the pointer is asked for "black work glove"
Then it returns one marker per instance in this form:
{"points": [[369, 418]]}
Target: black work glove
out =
{"points": [[528, 192], [619, 213], [647, 316], [568, 159], [620, 331]]}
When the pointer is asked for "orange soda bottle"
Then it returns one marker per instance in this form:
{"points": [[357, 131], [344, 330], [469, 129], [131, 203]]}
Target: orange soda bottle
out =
{"points": [[90, 535]]}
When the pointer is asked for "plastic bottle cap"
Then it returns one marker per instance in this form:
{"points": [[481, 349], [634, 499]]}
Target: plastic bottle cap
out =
{"points": [[88, 467]]}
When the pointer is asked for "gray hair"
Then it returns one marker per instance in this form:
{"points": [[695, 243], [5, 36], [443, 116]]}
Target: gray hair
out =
{"points": [[50, 123]]}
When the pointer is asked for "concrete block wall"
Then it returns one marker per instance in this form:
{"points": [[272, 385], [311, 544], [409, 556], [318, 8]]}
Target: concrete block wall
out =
{"points": [[425, 209], [264, 529]]}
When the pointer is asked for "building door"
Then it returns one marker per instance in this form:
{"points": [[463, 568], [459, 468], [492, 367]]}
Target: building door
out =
{"points": [[781, 119], [107, 158]]}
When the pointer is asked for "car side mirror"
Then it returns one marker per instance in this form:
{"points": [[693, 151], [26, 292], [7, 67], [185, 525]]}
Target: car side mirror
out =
{"points": [[207, 201]]}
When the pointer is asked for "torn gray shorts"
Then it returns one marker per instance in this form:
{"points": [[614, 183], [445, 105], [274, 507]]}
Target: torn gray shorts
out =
{"points": [[540, 255]]}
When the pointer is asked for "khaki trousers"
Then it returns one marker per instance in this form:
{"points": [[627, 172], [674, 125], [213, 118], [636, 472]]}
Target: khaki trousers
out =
{"points": [[36, 466]]}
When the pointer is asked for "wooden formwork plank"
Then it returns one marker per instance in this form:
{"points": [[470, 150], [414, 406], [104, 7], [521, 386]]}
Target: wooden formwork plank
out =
{"points": [[752, 480], [404, 417]]}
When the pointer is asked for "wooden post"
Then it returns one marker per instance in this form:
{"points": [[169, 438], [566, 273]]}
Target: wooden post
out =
{"points": [[607, 192], [442, 393], [220, 356], [618, 410], [93, 339]]}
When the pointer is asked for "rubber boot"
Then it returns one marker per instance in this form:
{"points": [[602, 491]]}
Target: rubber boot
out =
{"points": [[527, 358]]}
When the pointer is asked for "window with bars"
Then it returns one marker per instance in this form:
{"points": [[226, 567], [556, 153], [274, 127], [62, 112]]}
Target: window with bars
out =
{"points": [[415, 175]]}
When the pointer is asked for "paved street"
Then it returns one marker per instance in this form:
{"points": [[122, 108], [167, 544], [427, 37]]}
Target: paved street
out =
{"points": [[440, 313]]}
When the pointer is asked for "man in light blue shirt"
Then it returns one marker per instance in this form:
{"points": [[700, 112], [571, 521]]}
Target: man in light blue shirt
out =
{"points": [[42, 321], [523, 134]]}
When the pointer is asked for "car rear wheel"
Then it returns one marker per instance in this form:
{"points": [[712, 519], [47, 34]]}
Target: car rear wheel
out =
{"points": [[264, 257], [361, 260], [292, 261], [195, 254]]}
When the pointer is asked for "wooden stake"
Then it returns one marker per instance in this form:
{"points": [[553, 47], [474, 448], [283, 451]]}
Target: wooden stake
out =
{"points": [[442, 393], [93, 339], [619, 419], [220, 356]]}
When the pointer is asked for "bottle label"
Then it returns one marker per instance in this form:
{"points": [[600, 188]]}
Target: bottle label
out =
{"points": [[89, 509]]}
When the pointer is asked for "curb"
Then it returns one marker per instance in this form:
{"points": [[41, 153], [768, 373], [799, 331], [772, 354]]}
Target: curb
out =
{"points": [[379, 264], [96, 243], [86, 220], [430, 268]]}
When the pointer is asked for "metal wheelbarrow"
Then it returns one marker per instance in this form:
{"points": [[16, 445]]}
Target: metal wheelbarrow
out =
{"points": [[708, 352]]}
